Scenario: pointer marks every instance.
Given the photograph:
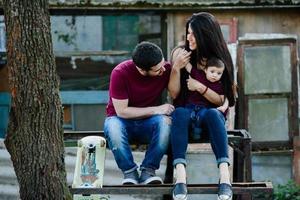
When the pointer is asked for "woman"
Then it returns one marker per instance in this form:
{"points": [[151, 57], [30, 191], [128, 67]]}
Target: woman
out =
{"points": [[204, 40]]}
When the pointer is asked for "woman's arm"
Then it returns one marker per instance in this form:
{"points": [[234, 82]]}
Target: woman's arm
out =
{"points": [[210, 95], [179, 59], [214, 97]]}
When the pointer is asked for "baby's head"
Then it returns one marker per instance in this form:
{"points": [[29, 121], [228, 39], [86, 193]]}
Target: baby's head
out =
{"points": [[214, 69]]}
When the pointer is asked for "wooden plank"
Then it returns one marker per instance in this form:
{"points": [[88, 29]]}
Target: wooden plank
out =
{"points": [[84, 97], [238, 188], [89, 53], [278, 145], [234, 136], [267, 41]]}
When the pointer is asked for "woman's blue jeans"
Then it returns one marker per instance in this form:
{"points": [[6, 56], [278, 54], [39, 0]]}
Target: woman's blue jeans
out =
{"points": [[154, 131], [213, 124]]}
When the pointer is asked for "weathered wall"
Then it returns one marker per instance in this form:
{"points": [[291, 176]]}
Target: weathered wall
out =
{"points": [[250, 21]]}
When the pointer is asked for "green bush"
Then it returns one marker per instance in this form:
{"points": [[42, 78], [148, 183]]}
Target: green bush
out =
{"points": [[290, 191]]}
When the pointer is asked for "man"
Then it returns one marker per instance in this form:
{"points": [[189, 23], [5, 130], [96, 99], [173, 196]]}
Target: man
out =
{"points": [[133, 112]]}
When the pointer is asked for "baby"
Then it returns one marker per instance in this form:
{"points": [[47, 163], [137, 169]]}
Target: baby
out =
{"points": [[209, 75]]}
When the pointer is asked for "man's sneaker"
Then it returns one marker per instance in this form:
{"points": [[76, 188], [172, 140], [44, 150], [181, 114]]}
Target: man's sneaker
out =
{"points": [[131, 178], [180, 191], [148, 177]]}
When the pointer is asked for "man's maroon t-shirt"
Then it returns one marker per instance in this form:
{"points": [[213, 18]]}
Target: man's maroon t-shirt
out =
{"points": [[126, 82], [194, 97]]}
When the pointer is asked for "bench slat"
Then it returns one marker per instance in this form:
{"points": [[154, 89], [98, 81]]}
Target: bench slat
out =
{"points": [[233, 135], [238, 188]]}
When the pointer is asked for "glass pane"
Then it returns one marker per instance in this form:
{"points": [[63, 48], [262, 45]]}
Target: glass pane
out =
{"points": [[126, 30], [267, 69], [149, 24], [226, 32], [268, 119], [2, 35], [121, 32], [272, 165], [76, 33]]}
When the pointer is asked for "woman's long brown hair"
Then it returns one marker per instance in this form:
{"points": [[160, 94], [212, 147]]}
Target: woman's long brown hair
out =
{"points": [[210, 43]]}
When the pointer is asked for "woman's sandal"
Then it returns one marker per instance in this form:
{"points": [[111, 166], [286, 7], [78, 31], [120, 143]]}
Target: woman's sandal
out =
{"points": [[224, 191], [180, 191]]}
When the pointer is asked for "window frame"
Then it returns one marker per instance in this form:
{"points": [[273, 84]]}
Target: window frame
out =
{"points": [[232, 23], [243, 100]]}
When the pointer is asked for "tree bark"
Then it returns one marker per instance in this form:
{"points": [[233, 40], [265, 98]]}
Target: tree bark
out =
{"points": [[35, 134]]}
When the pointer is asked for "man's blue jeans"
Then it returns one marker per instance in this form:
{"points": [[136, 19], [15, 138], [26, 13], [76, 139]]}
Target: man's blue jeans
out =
{"points": [[154, 131], [213, 123]]}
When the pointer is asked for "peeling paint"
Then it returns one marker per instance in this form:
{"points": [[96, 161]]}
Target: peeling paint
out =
{"points": [[160, 3], [169, 4]]}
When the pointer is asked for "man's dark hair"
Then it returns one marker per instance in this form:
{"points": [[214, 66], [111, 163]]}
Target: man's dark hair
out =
{"points": [[146, 55], [216, 62]]}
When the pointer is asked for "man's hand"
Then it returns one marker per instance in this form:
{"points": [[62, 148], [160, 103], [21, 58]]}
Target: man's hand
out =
{"points": [[165, 109]]}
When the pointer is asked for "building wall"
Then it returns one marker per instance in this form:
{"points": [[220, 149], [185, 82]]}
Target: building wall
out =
{"points": [[285, 21]]}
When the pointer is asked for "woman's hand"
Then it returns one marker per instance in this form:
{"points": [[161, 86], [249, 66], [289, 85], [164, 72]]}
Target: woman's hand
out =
{"points": [[181, 58], [193, 84]]}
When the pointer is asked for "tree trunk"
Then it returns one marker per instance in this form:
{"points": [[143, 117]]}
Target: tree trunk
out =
{"points": [[35, 134]]}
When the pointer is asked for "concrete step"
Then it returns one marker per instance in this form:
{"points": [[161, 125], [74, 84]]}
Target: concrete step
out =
{"points": [[7, 175], [9, 192], [5, 158]]}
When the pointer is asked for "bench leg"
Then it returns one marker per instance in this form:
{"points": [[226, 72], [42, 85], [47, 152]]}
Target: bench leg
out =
{"points": [[169, 173]]}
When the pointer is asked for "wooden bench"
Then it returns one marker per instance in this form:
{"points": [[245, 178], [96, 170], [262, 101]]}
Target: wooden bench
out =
{"points": [[243, 187], [238, 189]]}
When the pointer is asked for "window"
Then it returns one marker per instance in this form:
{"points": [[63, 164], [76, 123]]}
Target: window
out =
{"points": [[229, 29], [87, 48], [267, 80]]}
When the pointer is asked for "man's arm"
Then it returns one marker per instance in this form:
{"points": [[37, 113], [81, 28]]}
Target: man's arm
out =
{"points": [[126, 112]]}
